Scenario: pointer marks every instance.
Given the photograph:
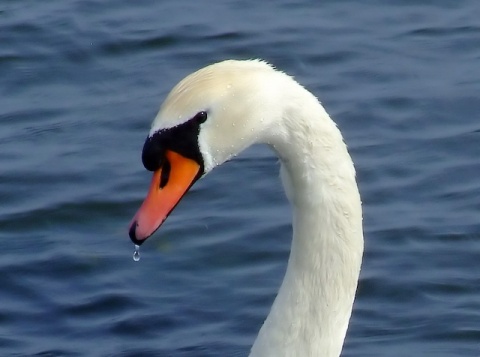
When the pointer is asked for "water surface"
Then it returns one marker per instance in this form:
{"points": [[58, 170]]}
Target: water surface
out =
{"points": [[81, 82]]}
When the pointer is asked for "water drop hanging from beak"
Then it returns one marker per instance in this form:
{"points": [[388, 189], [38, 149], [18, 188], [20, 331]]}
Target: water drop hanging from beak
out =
{"points": [[136, 253]]}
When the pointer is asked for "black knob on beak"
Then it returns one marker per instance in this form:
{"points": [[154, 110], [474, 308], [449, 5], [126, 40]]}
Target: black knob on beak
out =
{"points": [[153, 155]]}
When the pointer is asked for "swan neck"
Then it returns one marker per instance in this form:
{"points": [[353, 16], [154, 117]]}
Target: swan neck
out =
{"points": [[311, 312]]}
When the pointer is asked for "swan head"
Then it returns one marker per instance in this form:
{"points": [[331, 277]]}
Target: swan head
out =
{"points": [[208, 117]]}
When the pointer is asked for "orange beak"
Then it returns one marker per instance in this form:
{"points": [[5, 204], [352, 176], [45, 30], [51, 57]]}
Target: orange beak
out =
{"points": [[160, 201]]}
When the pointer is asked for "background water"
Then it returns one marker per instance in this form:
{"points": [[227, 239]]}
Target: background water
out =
{"points": [[80, 82]]}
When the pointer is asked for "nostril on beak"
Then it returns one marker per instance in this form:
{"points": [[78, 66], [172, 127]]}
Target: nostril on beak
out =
{"points": [[165, 173]]}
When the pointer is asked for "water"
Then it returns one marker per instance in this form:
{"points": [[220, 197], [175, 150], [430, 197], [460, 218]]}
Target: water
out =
{"points": [[136, 253], [81, 82]]}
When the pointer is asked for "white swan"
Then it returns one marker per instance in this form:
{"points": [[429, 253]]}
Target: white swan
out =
{"points": [[212, 115]]}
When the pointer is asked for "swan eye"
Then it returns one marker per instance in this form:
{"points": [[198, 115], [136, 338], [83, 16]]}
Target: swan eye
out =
{"points": [[201, 117]]}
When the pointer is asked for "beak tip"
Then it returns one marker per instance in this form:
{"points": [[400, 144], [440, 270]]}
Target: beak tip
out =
{"points": [[132, 233]]}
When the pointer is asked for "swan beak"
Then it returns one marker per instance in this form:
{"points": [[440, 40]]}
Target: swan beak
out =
{"points": [[169, 184]]}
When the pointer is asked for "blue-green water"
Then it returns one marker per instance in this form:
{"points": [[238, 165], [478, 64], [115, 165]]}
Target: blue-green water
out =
{"points": [[80, 82]]}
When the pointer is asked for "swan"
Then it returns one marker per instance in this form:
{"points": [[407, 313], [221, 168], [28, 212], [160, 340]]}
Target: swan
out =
{"points": [[215, 113]]}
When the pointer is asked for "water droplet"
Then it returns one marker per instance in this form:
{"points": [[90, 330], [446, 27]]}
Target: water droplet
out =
{"points": [[136, 253]]}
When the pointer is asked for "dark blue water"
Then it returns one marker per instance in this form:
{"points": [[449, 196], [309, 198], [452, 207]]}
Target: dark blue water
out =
{"points": [[80, 82]]}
